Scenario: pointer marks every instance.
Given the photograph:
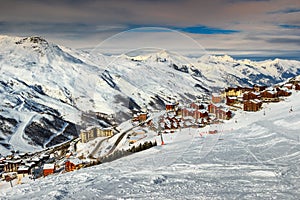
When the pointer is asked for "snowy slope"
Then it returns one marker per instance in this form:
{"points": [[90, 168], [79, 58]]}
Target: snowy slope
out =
{"points": [[44, 86], [255, 158]]}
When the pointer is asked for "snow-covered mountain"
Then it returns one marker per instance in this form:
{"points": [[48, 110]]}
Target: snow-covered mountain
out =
{"points": [[45, 88], [255, 157]]}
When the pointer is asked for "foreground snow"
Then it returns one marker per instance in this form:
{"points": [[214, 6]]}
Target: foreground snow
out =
{"points": [[255, 158]]}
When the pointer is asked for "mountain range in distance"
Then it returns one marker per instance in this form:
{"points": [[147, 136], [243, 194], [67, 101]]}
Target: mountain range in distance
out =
{"points": [[50, 92]]}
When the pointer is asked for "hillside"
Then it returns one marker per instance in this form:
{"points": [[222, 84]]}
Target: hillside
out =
{"points": [[253, 156], [46, 88]]}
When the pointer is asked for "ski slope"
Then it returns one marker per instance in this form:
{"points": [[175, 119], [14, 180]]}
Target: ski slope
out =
{"points": [[254, 156]]}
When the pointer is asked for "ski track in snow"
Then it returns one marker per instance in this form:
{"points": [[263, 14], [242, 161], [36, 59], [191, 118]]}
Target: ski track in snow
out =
{"points": [[59, 132], [17, 139]]}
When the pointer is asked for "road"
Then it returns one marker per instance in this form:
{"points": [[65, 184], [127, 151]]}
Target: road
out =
{"points": [[114, 146]]}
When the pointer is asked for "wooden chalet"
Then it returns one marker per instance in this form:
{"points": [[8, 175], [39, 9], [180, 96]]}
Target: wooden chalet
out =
{"points": [[73, 164], [171, 106], [23, 169], [140, 117], [216, 98], [220, 111], [297, 86], [199, 114], [187, 112], [231, 100], [48, 169], [197, 106], [283, 92], [288, 86], [259, 88], [195, 113], [251, 95], [12, 165], [252, 105], [269, 96]]}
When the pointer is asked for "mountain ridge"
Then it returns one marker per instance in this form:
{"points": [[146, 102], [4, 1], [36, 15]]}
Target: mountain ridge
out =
{"points": [[44, 84]]}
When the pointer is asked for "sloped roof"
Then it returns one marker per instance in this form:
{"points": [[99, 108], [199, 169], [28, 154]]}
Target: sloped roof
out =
{"points": [[49, 166], [75, 161]]}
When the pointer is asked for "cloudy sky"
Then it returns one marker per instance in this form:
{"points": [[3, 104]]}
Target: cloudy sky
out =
{"points": [[235, 27]]}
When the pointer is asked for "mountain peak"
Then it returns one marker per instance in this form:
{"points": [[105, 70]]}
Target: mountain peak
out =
{"points": [[33, 40]]}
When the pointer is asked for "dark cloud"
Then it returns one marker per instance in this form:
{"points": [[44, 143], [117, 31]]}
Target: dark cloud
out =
{"points": [[214, 22], [201, 29], [285, 11], [294, 41], [289, 26], [198, 29], [241, 1]]}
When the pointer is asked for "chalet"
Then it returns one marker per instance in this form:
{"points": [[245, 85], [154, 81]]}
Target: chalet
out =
{"points": [[172, 106], [187, 112], [215, 98], [195, 113], [269, 96], [200, 114], [140, 117], [197, 106], [236, 91], [220, 111], [251, 95], [36, 160], [73, 164], [297, 86], [48, 169], [23, 169], [231, 100], [283, 92], [288, 86], [233, 92], [252, 105], [259, 88], [95, 132], [12, 165]]}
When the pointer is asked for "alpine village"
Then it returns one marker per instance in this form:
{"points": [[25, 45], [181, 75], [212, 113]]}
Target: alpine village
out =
{"points": [[203, 112]]}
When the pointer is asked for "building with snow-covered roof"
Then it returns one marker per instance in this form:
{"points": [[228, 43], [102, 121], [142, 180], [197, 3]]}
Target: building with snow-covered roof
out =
{"points": [[73, 164], [197, 105], [216, 98], [269, 96], [283, 92], [48, 169], [251, 95], [288, 86], [259, 88], [23, 169], [220, 111], [12, 165], [140, 117], [231, 100], [252, 105]]}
